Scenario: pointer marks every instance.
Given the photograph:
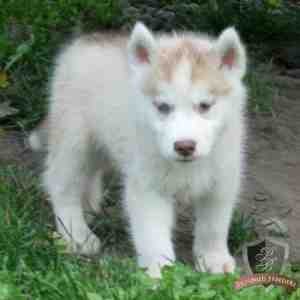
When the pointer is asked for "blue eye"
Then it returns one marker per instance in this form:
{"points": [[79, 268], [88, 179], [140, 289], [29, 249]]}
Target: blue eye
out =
{"points": [[164, 108], [204, 107]]}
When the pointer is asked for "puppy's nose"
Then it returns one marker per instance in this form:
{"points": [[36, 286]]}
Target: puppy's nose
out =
{"points": [[185, 147]]}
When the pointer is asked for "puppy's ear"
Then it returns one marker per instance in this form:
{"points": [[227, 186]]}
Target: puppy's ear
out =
{"points": [[232, 52], [142, 45]]}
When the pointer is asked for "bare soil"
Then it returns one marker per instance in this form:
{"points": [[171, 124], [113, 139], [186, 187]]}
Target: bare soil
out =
{"points": [[272, 186]]}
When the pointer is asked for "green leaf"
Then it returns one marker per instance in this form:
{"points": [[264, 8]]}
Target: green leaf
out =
{"points": [[7, 110], [274, 3], [93, 296], [21, 50], [209, 294], [3, 80], [9, 292]]}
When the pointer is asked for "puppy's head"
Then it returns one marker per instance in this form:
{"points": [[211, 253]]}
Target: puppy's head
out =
{"points": [[189, 87]]}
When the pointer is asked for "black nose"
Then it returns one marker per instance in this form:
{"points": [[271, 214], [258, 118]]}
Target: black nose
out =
{"points": [[185, 147]]}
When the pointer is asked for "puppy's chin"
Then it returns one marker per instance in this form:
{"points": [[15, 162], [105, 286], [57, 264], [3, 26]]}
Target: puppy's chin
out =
{"points": [[186, 160], [174, 158]]}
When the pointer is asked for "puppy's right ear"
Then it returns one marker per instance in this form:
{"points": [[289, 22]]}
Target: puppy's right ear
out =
{"points": [[232, 52], [142, 45]]}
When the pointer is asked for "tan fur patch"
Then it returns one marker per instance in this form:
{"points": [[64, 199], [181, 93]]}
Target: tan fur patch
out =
{"points": [[204, 65], [169, 58]]}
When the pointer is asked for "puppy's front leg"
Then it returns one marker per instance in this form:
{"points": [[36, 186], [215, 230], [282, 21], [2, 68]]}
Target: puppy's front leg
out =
{"points": [[213, 216], [151, 220]]}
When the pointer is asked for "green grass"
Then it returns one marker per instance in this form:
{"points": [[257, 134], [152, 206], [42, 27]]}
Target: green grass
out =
{"points": [[262, 88], [35, 265], [31, 32], [242, 230]]}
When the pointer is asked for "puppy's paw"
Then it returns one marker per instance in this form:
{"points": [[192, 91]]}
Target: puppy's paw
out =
{"points": [[215, 262], [154, 270], [90, 246]]}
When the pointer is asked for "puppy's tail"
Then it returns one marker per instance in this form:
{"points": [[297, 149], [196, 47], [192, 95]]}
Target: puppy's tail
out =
{"points": [[38, 138]]}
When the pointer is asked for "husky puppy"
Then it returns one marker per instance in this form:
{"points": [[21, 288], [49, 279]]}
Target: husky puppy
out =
{"points": [[167, 110]]}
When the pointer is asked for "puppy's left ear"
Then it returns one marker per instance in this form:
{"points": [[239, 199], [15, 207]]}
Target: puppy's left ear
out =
{"points": [[232, 52], [141, 46]]}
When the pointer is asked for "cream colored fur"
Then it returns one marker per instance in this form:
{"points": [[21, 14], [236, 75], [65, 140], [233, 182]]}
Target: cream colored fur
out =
{"points": [[105, 94]]}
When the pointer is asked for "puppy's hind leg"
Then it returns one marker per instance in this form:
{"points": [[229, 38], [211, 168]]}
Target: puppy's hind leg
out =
{"points": [[66, 178]]}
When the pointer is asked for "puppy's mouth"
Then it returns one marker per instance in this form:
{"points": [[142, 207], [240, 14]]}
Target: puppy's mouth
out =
{"points": [[186, 159]]}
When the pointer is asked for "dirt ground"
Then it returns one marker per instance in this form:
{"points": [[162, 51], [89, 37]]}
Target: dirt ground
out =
{"points": [[272, 186], [272, 180]]}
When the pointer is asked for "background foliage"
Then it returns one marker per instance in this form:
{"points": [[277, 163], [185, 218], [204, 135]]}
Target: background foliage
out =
{"points": [[33, 30]]}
